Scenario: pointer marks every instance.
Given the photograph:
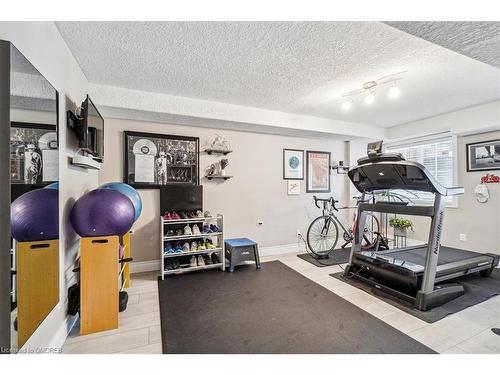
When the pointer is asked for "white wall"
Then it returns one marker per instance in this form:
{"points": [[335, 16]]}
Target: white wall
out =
{"points": [[44, 47], [256, 193]]}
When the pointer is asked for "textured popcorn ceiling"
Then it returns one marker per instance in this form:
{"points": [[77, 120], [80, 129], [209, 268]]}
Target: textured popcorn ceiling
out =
{"points": [[292, 67], [479, 40]]}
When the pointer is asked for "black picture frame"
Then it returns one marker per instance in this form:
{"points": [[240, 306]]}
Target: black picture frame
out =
{"points": [[308, 172], [128, 177], [34, 127], [284, 165], [493, 162]]}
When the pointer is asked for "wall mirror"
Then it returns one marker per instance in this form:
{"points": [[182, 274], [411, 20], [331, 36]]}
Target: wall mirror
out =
{"points": [[34, 176]]}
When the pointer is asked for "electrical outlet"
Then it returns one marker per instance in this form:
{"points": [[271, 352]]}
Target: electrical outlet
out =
{"points": [[463, 237]]}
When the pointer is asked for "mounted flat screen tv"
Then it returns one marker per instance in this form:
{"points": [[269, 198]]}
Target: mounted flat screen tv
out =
{"points": [[91, 129]]}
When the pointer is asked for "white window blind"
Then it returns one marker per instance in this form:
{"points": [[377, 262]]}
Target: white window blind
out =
{"points": [[436, 156]]}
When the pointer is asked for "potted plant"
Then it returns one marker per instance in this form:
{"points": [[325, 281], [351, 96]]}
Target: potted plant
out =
{"points": [[400, 225]]}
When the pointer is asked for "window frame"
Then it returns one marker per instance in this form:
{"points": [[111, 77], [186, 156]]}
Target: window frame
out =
{"points": [[415, 141]]}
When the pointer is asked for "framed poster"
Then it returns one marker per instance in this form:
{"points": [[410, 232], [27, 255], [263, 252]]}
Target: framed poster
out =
{"points": [[34, 155], [293, 187], [293, 164], [483, 156], [318, 172], [155, 160]]}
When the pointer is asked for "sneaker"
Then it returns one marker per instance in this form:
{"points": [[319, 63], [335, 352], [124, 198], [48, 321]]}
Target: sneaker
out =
{"points": [[175, 216], [208, 214], [168, 248], [190, 215], [183, 215], [179, 232], [209, 245], [176, 264], [192, 262], [168, 265], [194, 246], [185, 247], [170, 233], [206, 229], [178, 247], [167, 216], [201, 261], [196, 230], [214, 228], [199, 214], [207, 259], [187, 231], [201, 246], [215, 258]]}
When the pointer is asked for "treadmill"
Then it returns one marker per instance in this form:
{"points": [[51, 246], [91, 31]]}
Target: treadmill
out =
{"points": [[415, 274]]}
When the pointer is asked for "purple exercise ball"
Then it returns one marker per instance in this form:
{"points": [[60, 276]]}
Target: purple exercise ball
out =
{"points": [[102, 212], [34, 216]]}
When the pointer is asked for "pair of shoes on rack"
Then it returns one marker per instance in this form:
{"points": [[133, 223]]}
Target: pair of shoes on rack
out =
{"points": [[197, 261], [190, 232], [172, 264], [171, 216], [212, 228]]}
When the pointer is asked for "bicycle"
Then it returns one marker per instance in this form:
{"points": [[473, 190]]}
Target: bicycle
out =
{"points": [[323, 232]]}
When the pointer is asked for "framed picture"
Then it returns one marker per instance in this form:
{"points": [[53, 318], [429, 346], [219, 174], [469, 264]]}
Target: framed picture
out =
{"points": [[34, 155], [155, 160], [293, 164], [318, 172], [483, 156], [293, 187]]}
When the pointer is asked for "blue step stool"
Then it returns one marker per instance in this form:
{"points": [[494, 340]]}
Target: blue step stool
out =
{"points": [[239, 250]]}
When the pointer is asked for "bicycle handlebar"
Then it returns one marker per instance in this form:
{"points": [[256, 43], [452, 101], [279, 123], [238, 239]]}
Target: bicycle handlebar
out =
{"points": [[329, 200]]}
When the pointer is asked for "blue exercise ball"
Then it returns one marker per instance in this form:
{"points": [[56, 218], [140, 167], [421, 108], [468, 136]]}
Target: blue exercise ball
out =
{"points": [[130, 192], [34, 216], [102, 212], [54, 185]]}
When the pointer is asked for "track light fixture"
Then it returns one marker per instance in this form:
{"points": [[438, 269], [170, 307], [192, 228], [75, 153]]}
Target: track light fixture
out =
{"points": [[369, 89]]}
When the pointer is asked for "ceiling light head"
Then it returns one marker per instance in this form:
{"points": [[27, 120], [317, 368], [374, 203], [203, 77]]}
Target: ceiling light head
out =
{"points": [[347, 104], [394, 92], [370, 98]]}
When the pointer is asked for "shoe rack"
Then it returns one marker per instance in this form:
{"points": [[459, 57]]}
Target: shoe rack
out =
{"points": [[216, 237]]}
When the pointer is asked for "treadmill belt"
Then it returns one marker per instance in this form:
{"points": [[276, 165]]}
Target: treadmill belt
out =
{"points": [[446, 255]]}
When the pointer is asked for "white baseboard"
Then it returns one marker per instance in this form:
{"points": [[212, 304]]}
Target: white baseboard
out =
{"points": [[154, 265]]}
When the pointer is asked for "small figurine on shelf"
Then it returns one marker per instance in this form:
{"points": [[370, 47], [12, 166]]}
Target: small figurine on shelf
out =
{"points": [[220, 144], [210, 170], [223, 164]]}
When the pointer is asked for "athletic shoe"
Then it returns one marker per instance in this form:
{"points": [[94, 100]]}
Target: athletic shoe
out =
{"points": [[214, 228], [170, 233], [176, 264], [168, 265], [209, 245], [187, 231], [192, 262], [207, 259], [178, 247], [194, 246], [185, 247], [201, 261], [183, 215], [179, 232], [196, 230], [167, 216], [208, 214], [168, 248], [199, 214], [201, 246], [190, 215], [215, 258], [206, 229], [175, 216]]}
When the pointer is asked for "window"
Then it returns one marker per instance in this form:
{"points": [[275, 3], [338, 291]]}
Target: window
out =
{"points": [[437, 156]]}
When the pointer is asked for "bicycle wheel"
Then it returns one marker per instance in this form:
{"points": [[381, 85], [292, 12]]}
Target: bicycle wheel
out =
{"points": [[372, 226], [322, 235]]}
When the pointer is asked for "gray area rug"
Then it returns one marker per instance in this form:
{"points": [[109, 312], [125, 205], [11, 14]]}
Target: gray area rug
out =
{"points": [[338, 256], [477, 289], [272, 310]]}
